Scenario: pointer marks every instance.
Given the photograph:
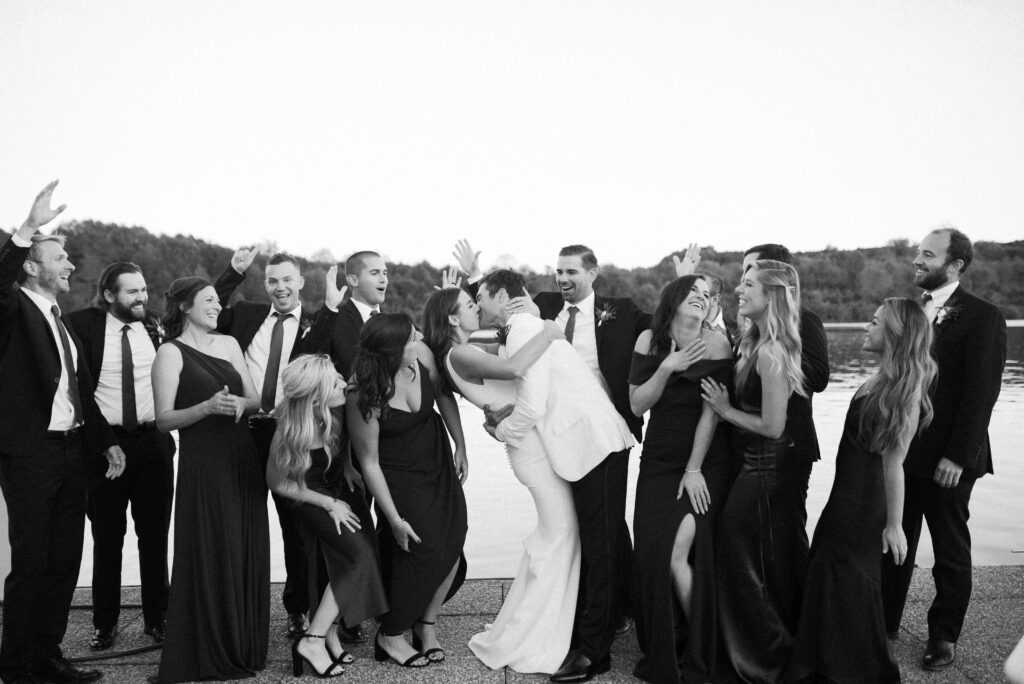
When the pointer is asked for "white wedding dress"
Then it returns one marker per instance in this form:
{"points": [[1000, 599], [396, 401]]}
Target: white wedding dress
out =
{"points": [[534, 626]]}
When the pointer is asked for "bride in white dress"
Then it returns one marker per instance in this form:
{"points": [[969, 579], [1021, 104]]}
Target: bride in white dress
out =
{"points": [[534, 626]]}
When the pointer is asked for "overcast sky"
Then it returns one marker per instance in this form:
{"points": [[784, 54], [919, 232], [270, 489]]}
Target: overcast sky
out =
{"points": [[633, 126]]}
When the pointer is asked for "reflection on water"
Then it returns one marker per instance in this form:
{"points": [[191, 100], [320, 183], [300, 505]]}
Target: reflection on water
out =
{"points": [[501, 512]]}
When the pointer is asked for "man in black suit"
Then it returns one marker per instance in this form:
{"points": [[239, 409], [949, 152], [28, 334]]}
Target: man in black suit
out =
{"points": [[270, 336], [120, 338], [50, 421], [945, 460], [366, 276]]}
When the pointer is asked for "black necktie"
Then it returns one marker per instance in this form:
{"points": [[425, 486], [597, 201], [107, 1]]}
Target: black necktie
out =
{"points": [[570, 325], [273, 363], [69, 366], [129, 416]]}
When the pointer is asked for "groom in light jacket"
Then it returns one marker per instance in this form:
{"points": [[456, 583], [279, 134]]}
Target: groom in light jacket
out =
{"points": [[587, 442]]}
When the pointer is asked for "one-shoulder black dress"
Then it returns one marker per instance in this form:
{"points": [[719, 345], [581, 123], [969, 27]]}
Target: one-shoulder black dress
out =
{"points": [[673, 649], [759, 553], [218, 613], [352, 561], [416, 459], [841, 637]]}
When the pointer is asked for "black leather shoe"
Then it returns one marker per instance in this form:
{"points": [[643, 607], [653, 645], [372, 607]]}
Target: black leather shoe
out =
{"points": [[158, 632], [102, 639], [939, 655], [351, 635], [296, 625], [60, 671], [581, 669], [625, 624]]}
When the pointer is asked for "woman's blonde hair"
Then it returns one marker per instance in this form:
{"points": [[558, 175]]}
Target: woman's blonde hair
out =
{"points": [[303, 419], [905, 375], [781, 324]]}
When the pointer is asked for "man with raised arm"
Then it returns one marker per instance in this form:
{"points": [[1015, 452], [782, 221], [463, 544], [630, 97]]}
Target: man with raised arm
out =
{"points": [[50, 422]]}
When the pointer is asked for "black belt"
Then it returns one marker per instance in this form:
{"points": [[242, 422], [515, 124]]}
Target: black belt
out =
{"points": [[141, 427], [63, 435]]}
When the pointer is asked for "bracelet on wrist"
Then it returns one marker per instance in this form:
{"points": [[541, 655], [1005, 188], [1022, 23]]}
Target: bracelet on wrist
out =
{"points": [[692, 472]]}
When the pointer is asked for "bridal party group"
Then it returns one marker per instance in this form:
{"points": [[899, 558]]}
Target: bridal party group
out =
{"points": [[350, 417]]}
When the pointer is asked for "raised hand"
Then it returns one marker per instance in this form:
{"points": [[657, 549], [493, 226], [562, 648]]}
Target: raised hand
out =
{"points": [[688, 264], [716, 396], [449, 278], [242, 259], [333, 297], [116, 462], [468, 260], [522, 304], [342, 514], [679, 360], [403, 533], [41, 212]]}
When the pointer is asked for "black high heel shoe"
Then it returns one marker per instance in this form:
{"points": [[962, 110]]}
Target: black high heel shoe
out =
{"points": [[380, 655], [299, 661], [344, 658], [417, 644]]}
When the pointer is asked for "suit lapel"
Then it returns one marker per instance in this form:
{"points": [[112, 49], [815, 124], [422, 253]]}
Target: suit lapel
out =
{"points": [[354, 317], [954, 308], [252, 326], [598, 328]]}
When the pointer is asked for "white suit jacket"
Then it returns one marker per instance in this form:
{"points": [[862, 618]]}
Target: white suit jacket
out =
{"points": [[561, 399]]}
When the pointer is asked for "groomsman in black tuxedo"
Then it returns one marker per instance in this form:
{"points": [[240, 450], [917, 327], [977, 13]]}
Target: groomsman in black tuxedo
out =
{"points": [[120, 338], [945, 460], [50, 422], [366, 276], [270, 336]]}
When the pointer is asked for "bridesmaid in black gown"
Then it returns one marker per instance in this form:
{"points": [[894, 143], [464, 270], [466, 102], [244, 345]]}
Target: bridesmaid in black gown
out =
{"points": [[759, 546], [864, 513], [218, 613], [684, 474], [307, 466], [416, 482]]}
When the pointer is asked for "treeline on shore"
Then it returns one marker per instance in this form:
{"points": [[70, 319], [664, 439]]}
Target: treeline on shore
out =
{"points": [[840, 285]]}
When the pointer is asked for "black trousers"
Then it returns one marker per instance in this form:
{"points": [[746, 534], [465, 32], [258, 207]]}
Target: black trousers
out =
{"points": [[148, 485], [946, 512], [599, 498], [296, 595], [46, 498]]}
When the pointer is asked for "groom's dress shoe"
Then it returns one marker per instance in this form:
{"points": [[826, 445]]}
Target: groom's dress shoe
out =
{"points": [[60, 671], [939, 655], [625, 624], [581, 669]]}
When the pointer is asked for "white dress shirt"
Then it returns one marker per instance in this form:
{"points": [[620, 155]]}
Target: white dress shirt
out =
{"points": [[108, 385], [365, 310], [258, 353], [939, 298], [584, 335], [62, 415]]}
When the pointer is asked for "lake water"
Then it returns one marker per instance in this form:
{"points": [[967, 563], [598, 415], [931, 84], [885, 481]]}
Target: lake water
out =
{"points": [[501, 511]]}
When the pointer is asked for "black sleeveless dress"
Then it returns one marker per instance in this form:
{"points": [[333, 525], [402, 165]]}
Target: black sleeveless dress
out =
{"points": [[352, 560], [841, 636], [416, 459], [759, 554], [218, 613], [672, 649]]}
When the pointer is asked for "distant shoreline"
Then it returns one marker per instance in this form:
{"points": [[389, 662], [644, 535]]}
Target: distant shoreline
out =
{"points": [[850, 325]]}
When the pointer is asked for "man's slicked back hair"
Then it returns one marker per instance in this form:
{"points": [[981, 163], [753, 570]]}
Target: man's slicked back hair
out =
{"points": [[511, 281], [771, 251], [585, 254]]}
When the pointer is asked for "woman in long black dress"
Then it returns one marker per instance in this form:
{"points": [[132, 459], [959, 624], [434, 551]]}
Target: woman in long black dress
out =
{"points": [[684, 473], [306, 466], [759, 545], [864, 513], [408, 465], [218, 613]]}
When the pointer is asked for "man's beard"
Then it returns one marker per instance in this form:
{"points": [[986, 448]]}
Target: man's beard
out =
{"points": [[933, 280], [126, 313]]}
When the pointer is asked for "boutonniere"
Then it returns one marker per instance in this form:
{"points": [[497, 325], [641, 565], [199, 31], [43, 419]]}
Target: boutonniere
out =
{"points": [[604, 315], [502, 335], [155, 329], [304, 325], [946, 313]]}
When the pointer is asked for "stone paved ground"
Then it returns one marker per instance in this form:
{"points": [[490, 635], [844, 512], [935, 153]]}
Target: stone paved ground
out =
{"points": [[994, 624]]}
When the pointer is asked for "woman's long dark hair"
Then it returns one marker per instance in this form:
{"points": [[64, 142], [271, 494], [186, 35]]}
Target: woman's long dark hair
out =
{"points": [[178, 300], [379, 358], [437, 331], [674, 294]]}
